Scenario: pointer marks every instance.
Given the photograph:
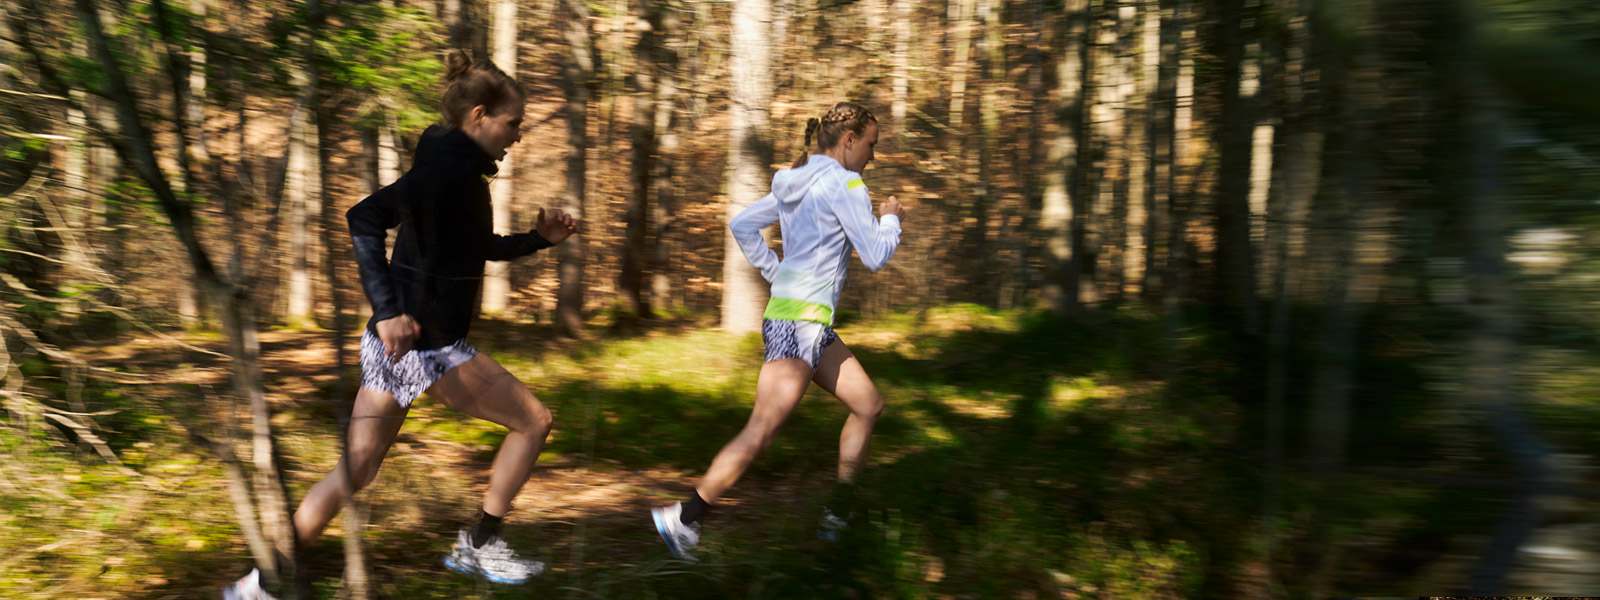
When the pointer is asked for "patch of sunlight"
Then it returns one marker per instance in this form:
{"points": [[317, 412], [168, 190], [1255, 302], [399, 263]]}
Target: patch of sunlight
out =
{"points": [[988, 405], [1069, 393], [953, 318], [879, 338], [938, 433], [693, 361], [927, 428]]}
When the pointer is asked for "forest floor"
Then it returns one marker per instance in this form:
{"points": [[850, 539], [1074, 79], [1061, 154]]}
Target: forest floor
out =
{"points": [[1020, 456]]}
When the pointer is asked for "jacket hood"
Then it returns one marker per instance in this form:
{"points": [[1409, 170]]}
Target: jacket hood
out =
{"points": [[790, 185]]}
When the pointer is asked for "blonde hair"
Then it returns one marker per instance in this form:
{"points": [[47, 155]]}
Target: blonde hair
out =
{"points": [[474, 83], [842, 117]]}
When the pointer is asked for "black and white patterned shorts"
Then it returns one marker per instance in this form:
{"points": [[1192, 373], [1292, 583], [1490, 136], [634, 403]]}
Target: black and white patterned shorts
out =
{"points": [[804, 340], [414, 372]]}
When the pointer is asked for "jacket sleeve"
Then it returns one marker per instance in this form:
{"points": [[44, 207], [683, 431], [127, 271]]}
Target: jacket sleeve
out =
{"points": [[516, 245], [369, 222], [746, 230], [874, 239]]}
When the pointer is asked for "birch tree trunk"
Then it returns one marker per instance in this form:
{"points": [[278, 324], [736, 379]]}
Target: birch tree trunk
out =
{"points": [[744, 292]]}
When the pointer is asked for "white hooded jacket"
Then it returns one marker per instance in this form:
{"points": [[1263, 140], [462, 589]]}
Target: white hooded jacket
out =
{"points": [[824, 211]]}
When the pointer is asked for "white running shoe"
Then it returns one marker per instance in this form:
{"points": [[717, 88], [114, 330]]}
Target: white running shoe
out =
{"points": [[247, 588], [831, 526], [494, 561], [679, 536]]}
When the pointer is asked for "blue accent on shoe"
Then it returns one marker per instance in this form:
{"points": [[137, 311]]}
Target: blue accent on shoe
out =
{"points": [[503, 579], [661, 530], [457, 567]]}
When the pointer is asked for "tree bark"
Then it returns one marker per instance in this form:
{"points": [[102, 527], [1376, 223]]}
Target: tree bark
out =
{"points": [[577, 76], [1360, 250], [355, 567], [461, 18], [902, 62], [298, 198], [497, 274], [1085, 252], [1234, 263], [1161, 69], [1059, 201], [1294, 169], [1139, 89], [642, 130], [991, 68], [661, 187], [749, 152], [1177, 272], [962, 11]]}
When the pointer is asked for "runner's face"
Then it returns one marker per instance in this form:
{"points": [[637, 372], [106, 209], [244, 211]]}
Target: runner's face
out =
{"points": [[496, 130], [858, 147]]}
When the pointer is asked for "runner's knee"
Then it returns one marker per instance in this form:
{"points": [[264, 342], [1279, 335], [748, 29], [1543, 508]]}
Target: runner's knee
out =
{"points": [[532, 415], [871, 405]]}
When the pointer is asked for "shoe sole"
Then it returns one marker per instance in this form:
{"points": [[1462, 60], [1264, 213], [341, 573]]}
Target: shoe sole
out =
{"points": [[464, 570], [661, 530]]}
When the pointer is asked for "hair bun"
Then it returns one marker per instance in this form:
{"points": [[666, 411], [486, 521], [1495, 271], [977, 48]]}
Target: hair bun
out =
{"points": [[457, 63]]}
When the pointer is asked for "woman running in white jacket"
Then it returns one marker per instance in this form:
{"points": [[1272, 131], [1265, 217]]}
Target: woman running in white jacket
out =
{"points": [[825, 212]]}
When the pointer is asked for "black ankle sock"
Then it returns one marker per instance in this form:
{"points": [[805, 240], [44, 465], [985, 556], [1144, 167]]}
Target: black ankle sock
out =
{"points": [[488, 526], [694, 509]]}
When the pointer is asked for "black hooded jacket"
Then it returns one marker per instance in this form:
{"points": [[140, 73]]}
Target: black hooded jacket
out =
{"points": [[446, 234]]}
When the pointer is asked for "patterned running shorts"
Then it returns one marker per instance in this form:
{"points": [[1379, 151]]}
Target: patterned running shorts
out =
{"points": [[804, 340], [414, 372]]}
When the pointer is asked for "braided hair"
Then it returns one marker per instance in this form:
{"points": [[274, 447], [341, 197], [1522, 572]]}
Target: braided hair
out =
{"points": [[828, 130]]}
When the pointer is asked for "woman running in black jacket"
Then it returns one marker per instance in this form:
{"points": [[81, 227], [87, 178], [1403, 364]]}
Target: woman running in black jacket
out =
{"points": [[423, 303]]}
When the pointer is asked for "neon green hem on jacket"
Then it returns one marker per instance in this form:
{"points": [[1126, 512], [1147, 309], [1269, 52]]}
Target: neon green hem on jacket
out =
{"points": [[789, 309]]}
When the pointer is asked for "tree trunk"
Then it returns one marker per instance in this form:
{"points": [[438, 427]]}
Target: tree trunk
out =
{"points": [[1139, 88], [197, 88], [749, 152], [1085, 252], [497, 274], [1260, 85], [461, 18], [1059, 202], [577, 77], [1021, 279], [1234, 264], [902, 62], [642, 129], [1176, 279], [388, 151], [355, 568], [991, 67], [1160, 71], [612, 61], [661, 186], [298, 191], [1294, 170], [105, 206], [1115, 235], [1360, 252], [962, 11], [77, 199]]}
